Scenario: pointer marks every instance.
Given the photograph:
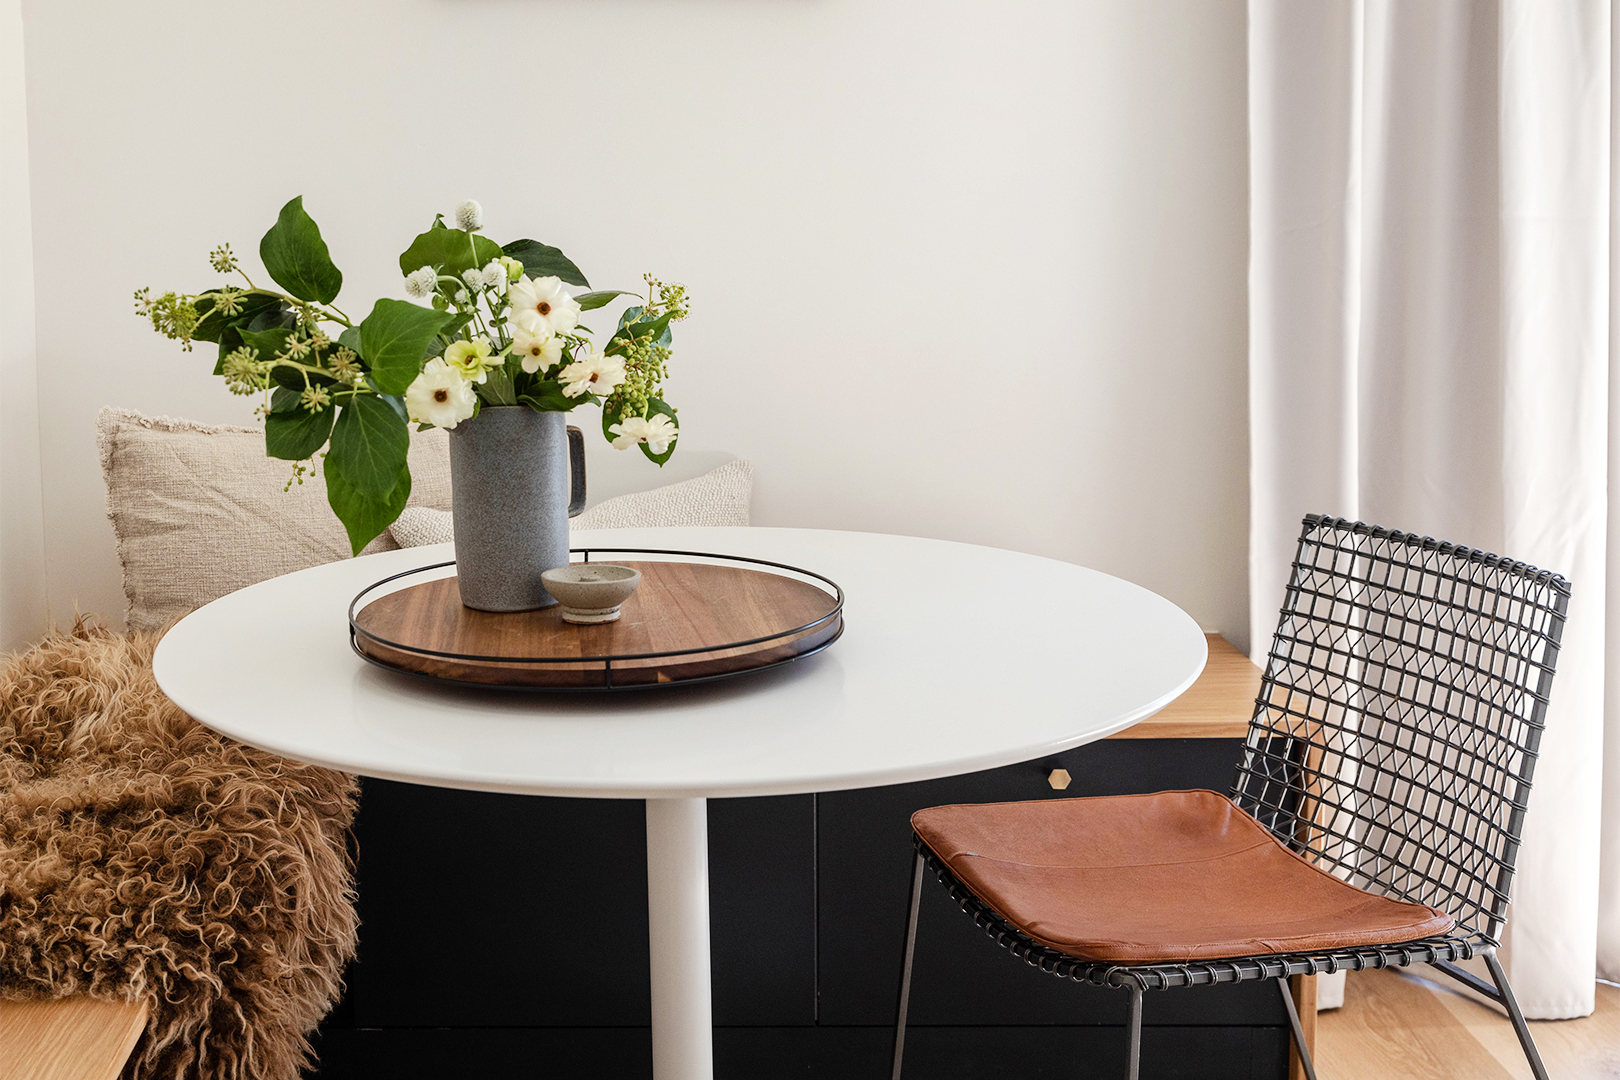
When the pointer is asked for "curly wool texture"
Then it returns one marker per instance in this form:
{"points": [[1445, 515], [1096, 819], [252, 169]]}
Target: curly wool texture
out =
{"points": [[144, 856]]}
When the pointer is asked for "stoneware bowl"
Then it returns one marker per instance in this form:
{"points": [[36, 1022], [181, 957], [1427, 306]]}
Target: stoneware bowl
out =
{"points": [[591, 592]]}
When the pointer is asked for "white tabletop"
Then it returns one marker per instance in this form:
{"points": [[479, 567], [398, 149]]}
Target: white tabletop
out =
{"points": [[954, 658]]}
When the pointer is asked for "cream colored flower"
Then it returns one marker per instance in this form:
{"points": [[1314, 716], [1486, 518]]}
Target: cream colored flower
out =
{"points": [[657, 433], [538, 350], [514, 268], [543, 302], [597, 373], [440, 396], [471, 359]]}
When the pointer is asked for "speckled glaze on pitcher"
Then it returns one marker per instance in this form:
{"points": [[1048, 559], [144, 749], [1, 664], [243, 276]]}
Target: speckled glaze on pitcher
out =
{"points": [[516, 476]]}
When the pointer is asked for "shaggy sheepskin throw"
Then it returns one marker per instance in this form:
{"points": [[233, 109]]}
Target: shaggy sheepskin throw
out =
{"points": [[144, 856]]}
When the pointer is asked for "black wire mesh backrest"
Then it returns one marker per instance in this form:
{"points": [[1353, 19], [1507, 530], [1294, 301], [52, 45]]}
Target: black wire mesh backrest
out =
{"points": [[1397, 726]]}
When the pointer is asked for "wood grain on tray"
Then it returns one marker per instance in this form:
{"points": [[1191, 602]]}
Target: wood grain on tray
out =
{"points": [[698, 610]]}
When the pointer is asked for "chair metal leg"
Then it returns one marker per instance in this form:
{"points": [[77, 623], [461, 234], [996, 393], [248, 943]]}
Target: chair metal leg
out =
{"points": [[1520, 1028], [1133, 1061], [1298, 1029], [905, 973]]}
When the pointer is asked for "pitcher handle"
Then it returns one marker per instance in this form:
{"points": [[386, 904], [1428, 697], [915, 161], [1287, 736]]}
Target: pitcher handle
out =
{"points": [[576, 471]]}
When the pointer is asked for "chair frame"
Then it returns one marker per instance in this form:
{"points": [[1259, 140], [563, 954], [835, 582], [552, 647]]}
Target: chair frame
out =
{"points": [[1447, 655]]}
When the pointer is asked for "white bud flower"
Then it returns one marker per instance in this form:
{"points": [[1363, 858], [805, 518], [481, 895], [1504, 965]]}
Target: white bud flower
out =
{"points": [[473, 277], [461, 298], [419, 284], [494, 274], [470, 216]]}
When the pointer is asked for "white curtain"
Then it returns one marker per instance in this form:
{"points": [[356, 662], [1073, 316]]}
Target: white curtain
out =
{"points": [[1431, 344]]}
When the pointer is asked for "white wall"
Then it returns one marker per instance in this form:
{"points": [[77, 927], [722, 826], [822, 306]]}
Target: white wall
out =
{"points": [[962, 269], [22, 548]]}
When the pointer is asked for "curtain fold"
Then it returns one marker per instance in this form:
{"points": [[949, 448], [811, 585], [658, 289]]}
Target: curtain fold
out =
{"points": [[1430, 350]]}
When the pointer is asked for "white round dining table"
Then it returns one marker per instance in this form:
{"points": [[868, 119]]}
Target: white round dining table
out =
{"points": [[954, 658]]}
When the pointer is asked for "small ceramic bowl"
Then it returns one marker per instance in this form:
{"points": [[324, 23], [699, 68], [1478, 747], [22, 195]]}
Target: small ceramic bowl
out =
{"points": [[591, 592]]}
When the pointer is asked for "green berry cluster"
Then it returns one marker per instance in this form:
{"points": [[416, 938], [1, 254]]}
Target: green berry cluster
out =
{"points": [[174, 315]]}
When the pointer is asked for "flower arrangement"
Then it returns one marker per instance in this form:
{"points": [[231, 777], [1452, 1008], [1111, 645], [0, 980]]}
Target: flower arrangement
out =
{"points": [[486, 324]]}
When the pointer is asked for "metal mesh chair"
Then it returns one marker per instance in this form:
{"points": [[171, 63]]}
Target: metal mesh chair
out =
{"points": [[1392, 744]]}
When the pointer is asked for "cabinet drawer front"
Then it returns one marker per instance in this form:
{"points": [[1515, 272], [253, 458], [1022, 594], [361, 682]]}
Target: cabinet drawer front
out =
{"points": [[482, 910]]}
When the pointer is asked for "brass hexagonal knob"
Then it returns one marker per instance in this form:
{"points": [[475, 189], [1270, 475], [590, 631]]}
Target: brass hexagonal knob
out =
{"points": [[1058, 778]]}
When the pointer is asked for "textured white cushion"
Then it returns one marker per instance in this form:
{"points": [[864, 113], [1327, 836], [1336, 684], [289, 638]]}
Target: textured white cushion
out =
{"points": [[199, 511], [718, 497]]}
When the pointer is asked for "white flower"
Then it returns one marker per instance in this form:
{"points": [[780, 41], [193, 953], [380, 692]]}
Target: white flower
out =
{"points": [[494, 274], [657, 433], [473, 277], [538, 350], [543, 302], [469, 215], [440, 396], [461, 298], [471, 359], [420, 283], [598, 373]]}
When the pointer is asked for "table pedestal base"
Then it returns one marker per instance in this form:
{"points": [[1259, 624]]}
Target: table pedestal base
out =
{"points": [[678, 932]]}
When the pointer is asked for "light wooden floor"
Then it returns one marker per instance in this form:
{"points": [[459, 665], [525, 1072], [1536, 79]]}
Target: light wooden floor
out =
{"points": [[70, 1039], [1395, 1026]]}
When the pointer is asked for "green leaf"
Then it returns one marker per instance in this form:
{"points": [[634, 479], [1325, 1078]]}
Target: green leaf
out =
{"points": [[275, 316], [449, 332], [592, 300], [612, 412], [213, 324], [350, 339], [655, 406], [655, 329], [369, 445], [497, 388], [394, 340], [450, 250], [542, 260], [296, 256], [278, 318], [294, 433], [288, 379], [397, 403], [364, 515], [547, 396], [269, 342]]}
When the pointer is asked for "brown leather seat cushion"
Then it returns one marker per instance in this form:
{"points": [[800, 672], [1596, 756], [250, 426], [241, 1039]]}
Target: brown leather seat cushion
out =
{"points": [[1178, 875]]}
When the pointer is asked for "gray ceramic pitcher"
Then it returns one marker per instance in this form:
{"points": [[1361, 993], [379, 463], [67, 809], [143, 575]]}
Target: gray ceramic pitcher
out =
{"points": [[516, 477]]}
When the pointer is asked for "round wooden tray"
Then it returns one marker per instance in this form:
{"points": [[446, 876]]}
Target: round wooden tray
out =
{"points": [[688, 622]]}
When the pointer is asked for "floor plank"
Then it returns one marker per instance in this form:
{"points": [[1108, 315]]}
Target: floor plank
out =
{"points": [[1392, 1028], [1584, 1049], [71, 1039], [1395, 1026]]}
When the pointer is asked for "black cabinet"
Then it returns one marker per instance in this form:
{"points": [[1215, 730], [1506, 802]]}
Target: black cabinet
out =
{"points": [[507, 936]]}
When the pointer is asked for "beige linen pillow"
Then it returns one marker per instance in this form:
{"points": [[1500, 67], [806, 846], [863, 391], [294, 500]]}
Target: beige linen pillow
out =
{"points": [[199, 510], [718, 497]]}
